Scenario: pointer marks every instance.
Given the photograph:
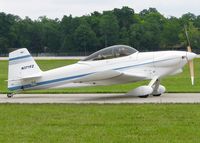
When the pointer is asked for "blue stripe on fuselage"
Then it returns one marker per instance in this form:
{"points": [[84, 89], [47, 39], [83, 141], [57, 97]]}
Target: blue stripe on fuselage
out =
{"points": [[47, 82]]}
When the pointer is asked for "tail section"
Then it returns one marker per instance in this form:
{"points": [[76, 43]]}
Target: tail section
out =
{"points": [[22, 66]]}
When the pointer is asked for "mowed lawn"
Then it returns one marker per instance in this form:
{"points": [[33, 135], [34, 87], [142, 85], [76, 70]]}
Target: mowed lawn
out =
{"points": [[124, 123], [177, 83]]}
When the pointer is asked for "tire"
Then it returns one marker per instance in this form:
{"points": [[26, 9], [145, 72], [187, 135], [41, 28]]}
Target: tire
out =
{"points": [[157, 95], [144, 96], [9, 95]]}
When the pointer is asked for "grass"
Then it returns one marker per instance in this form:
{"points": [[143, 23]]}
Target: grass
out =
{"points": [[178, 83], [138, 123]]}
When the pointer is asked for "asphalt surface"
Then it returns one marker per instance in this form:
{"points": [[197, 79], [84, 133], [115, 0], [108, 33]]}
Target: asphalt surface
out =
{"points": [[100, 98]]}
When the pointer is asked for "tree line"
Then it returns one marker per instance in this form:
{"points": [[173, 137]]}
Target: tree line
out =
{"points": [[145, 31]]}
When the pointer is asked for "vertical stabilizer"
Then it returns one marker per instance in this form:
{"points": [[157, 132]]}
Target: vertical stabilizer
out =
{"points": [[21, 66]]}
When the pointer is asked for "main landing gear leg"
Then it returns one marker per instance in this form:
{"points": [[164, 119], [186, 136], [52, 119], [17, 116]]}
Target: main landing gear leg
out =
{"points": [[155, 85]]}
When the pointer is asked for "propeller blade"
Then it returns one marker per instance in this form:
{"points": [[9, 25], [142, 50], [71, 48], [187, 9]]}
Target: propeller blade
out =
{"points": [[186, 34], [191, 67], [189, 49]]}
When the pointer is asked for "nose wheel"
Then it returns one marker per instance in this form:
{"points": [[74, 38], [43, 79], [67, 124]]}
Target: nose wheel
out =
{"points": [[156, 94]]}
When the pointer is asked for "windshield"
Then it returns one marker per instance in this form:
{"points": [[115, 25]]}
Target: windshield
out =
{"points": [[111, 52]]}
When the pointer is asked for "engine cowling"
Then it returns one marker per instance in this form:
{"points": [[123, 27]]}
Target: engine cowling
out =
{"points": [[161, 89], [141, 91]]}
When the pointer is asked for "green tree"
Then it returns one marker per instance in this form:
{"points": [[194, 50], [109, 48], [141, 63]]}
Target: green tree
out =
{"points": [[68, 25], [187, 18], [124, 36], [4, 45], [29, 35], [170, 34], [197, 22], [146, 30], [84, 38], [50, 34], [7, 37], [146, 35], [110, 29], [125, 16], [136, 34]]}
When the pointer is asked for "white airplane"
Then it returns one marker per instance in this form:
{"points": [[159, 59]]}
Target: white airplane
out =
{"points": [[113, 65]]}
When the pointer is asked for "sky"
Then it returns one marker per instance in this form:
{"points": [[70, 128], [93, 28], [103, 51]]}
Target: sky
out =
{"points": [[57, 8]]}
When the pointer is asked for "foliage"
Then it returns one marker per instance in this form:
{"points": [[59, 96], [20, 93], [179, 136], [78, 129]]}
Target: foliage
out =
{"points": [[109, 28], [85, 38], [145, 31]]}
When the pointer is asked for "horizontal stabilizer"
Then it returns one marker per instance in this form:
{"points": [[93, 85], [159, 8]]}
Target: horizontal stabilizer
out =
{"points": [[31, 76]]}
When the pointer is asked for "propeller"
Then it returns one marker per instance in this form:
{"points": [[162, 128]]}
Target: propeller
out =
{"points": [[190, 62]]}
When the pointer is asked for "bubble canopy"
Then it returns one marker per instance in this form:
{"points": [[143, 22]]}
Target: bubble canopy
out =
{"points": [[111, 52]]}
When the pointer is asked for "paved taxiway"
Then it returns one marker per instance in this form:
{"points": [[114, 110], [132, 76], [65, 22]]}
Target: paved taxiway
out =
{"points": [[100, 98]]}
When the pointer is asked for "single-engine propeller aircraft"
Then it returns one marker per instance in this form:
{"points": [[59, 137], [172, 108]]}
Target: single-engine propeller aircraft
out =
{"points": [[112, 65]]}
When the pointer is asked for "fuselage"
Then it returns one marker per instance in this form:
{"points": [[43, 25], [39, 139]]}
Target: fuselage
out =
{"points": [[135, 67]]}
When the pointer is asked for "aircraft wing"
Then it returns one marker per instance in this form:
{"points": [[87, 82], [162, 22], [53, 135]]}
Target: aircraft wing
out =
{"points": [[124, 77], [100, 76], [111, 77], [135, 74]]}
